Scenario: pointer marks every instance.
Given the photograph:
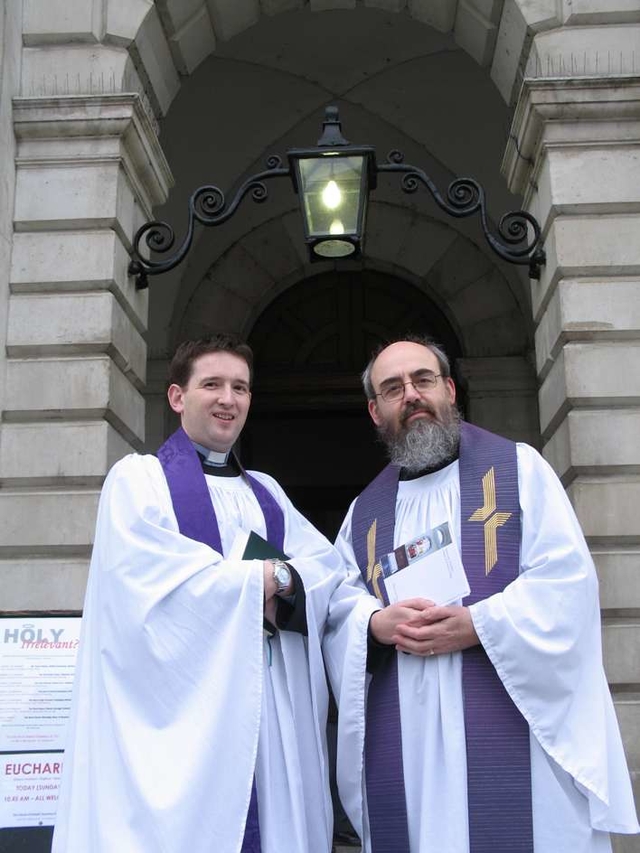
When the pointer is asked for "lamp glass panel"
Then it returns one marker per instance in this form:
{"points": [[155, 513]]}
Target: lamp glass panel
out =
{"points": [[332, 190]]}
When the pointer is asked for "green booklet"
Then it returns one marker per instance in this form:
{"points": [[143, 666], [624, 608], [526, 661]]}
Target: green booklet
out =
{"points": [[251, 546]]}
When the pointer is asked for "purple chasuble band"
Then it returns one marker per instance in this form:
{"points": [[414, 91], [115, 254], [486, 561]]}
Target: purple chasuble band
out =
{"points": [[498, 754], [498, 750], [197, 520], [384, 769]]}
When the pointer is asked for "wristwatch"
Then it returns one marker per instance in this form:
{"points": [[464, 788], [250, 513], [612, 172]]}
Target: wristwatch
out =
{"points": [[281, 575]]}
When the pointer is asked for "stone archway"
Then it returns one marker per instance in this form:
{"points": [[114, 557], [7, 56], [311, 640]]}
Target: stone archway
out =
{"points": [[311, 344]]}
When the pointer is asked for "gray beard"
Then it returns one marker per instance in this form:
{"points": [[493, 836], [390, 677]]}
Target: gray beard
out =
{"points": [[425, 444]]}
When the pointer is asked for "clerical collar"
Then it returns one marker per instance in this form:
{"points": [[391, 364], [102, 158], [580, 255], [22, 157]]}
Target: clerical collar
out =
{"points": [[212, 458], [406, 475]]}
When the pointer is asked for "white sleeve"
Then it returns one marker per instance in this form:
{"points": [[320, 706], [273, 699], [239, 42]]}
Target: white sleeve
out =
{"points": [[542, 634]]}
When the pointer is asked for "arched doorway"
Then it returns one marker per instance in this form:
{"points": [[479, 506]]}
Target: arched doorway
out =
{"points": [[311, 343]]}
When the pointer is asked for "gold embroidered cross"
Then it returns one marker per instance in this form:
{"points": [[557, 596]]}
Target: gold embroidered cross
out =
{"points": [[374, 570], [492, 519]]}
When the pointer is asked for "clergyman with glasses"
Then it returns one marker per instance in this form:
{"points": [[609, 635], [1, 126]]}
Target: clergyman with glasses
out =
{"points": [[478, 718]]}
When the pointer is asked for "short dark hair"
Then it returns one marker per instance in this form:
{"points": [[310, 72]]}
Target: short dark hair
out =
{"points": [[424, 340], [181, 367]]}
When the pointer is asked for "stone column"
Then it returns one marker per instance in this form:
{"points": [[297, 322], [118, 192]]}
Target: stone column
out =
{"points": [[89, 170], [575, 155]]}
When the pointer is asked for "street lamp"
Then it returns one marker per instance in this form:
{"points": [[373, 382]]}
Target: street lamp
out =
{"points": [[333, 181]]}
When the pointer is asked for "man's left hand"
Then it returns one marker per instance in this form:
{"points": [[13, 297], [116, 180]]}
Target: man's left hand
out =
{"points": [[443, 629]]}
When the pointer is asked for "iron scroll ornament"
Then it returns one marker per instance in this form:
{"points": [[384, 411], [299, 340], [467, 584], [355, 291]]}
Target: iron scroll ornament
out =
{"points": [[464, 197], [207, 206]]}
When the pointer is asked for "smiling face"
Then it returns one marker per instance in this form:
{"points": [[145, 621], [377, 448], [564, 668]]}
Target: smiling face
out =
{"points": [[214, 404], [403, 362]]}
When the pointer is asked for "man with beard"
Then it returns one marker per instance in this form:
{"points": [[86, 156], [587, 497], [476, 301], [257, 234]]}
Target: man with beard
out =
{"points": [[482, 726]]}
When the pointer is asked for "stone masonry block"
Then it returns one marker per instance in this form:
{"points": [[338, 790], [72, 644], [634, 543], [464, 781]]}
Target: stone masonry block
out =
{"points": [[72, 259], [586, 51], [40, 522], [619, 576], [607, 507], [474, 33], [595, 441], [601, 11], [590, 375], [613, 184], [155, 55], [229, 19], [62, 21], [55, 388], [46, 324], [73, 69], [620, 643], [77, 260], [78, 196], [43, 584], [124, 19], [628, 712], [78, 451], [518, 22], [590, 245], [587, 310], [193, 42]]}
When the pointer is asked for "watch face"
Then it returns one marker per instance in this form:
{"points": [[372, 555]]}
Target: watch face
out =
{"points": [[282, 575]]}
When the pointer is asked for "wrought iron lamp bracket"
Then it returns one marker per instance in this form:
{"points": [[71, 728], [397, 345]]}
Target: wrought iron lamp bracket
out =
{"points": [[207, 206], [518, 239], [465, 197]]}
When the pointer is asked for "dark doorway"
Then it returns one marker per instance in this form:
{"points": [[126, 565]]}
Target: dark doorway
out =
{"points": [[309, 426]]}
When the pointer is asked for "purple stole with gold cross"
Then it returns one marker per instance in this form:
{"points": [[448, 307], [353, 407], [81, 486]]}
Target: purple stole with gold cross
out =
{"points": [[197, 519], [497, 735]]}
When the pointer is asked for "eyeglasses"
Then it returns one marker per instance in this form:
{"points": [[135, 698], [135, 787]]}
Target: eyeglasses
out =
{"points": [[395, 391]]}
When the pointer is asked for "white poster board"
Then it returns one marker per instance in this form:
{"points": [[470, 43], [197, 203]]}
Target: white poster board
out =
{"points": [[37, 664]]}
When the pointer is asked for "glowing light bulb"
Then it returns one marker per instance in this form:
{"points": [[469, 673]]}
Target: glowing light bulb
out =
{"points": [[331, 195], [336, 227]]}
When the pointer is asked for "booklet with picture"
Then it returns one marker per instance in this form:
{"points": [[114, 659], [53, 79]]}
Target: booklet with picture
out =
{"points": [[427, 567]]}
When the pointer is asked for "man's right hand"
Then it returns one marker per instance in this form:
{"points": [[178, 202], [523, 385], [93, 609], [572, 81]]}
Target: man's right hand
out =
{"points": [[384, 622]]}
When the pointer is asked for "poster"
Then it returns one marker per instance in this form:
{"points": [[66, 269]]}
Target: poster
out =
{"points": [[37, 662], [29, 786]]}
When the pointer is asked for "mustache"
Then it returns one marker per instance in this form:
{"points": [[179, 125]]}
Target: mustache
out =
{"points": [[417, 406]]}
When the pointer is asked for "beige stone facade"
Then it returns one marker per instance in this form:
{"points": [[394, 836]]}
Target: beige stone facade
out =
{"points": [[113, 111]]}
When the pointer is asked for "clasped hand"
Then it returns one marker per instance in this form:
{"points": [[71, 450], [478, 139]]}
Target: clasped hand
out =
{"points": [[420, 627]]}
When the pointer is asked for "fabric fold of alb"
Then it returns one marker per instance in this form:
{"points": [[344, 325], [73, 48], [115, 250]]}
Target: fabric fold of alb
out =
{"points": [[197, 519]]}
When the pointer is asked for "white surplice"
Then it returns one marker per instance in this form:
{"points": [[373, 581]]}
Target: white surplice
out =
{"points": [[542, 634], [179, 696]]}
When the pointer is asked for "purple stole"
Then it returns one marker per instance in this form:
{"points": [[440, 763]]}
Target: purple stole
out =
{"points": [[497, 735], [197, 519]]}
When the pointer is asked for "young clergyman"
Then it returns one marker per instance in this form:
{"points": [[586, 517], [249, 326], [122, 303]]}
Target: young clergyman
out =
{"points": [[489, 727], [193, 729]]}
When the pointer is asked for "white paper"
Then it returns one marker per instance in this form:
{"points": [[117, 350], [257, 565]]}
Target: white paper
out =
{"points": [[432, 569]]}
